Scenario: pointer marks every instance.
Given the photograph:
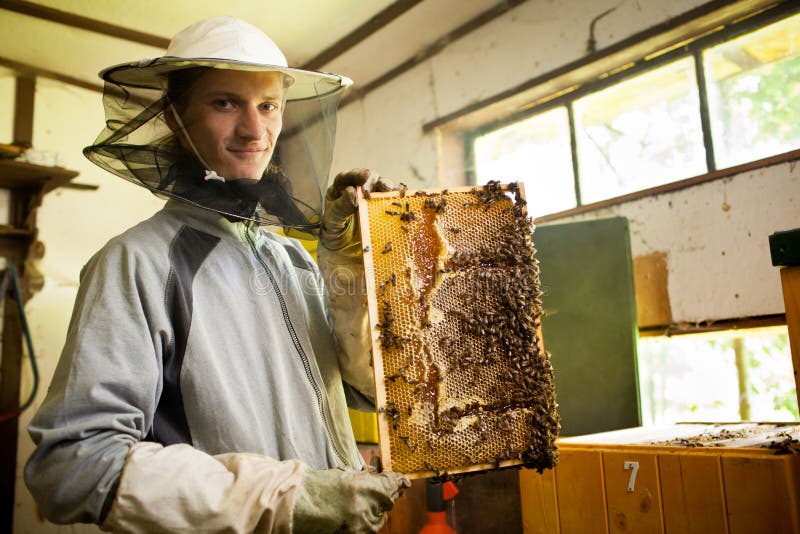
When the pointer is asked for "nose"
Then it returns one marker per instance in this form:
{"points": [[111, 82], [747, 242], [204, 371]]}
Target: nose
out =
{"points": [[250, 124]]}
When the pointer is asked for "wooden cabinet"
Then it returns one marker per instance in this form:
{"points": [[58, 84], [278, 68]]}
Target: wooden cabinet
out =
{"points": [[679, 479]]}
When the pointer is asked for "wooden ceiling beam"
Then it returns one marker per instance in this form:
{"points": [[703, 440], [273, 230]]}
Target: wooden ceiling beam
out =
{"points": [[434, 48], [31, 71], [391, 13], [84, 23]]}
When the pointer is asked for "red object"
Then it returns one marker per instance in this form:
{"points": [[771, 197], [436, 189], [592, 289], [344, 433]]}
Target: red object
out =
{"points": [[438, 495], [437, 524], [449, 491]]}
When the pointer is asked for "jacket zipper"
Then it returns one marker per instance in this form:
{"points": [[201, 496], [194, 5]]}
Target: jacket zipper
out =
{"points": [[299, 348]]}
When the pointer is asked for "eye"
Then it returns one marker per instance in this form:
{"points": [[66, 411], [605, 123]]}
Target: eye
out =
{"points": [[222, 103], [269, 106]]}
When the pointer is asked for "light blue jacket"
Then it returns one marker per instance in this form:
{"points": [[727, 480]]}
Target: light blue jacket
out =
{"points": [[189, 328]]}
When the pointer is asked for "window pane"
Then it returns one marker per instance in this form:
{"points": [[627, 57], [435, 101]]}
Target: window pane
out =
{"points": [[536, 152], [640, 133], [754, 93], [698, 377]]}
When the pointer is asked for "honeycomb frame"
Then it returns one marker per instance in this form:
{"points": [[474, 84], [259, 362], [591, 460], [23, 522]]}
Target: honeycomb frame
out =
{"points": [[463, 382]]}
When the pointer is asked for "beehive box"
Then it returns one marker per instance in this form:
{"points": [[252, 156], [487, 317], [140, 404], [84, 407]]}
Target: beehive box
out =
{"points": [[688, 478], [463, 381]]}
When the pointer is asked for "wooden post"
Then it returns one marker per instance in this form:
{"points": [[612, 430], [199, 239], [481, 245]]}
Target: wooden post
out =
{"points": [[790, 280], [23, 111], [785, 250]]}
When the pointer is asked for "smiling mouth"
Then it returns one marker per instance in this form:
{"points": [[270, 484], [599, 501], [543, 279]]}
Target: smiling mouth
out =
{"points": [[249, 154], [247, 150]]}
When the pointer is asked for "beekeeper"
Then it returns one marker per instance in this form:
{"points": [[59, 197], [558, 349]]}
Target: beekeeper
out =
{"points": [[205, 378]]}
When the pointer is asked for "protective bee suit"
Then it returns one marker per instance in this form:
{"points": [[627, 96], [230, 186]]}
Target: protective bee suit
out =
{"points": [[204, 381]]}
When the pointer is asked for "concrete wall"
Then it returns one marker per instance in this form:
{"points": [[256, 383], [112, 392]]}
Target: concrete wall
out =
{"points": [[718, 258]]}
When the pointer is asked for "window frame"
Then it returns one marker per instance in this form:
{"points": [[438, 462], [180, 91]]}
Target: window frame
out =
{"points": [[692, 47]]}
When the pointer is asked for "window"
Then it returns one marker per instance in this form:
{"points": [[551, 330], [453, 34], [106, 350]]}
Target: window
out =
{"points": [[753, 88], [536, 151], [722, 100], [642, 132], [738, 375]]}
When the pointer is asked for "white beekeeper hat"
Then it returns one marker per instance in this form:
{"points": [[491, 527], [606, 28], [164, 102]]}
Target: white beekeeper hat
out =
{"points": [[224, 43], [137, 143]]}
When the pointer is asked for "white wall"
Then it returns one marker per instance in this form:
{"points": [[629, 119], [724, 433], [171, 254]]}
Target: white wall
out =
{"points": [[713, 255], [7, 84], [715, 239]]}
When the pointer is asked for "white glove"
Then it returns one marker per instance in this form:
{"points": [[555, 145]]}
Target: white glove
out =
{"points": [[340, 263], [340, 232], [345, 500], [179, 489]]}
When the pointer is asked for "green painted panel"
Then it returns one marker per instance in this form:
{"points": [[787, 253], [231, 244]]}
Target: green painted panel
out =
{"points": [[589, 323]]}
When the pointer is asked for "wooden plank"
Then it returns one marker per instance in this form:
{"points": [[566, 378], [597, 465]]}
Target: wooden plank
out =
{"points": [[650, 278], [377, 363], [76, 21], [19, 174], [538, 500], [745, 438], [580, 492], [10, 151], [692, 493], [32, 70], [433, 49], [375, 23], [703, 489], [633, 492], [761, 321], [793, 476], [23, 111], [790, 280], [758, 494]]}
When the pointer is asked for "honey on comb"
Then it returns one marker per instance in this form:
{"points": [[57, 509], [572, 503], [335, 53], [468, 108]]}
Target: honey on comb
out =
{"points": [[463, 380]]}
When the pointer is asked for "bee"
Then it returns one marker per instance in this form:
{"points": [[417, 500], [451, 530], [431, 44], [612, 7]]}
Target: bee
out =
{"points": [[407, 441]]}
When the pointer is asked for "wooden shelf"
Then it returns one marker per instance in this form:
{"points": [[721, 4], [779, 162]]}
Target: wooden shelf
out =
{"points": [[10, 231], [19, 175]]}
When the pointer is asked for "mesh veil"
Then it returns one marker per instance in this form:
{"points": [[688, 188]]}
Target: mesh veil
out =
{"points": [[138, 145]]}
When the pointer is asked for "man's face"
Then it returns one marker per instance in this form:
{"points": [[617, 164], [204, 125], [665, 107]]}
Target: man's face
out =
{"points": [[234, 119]]}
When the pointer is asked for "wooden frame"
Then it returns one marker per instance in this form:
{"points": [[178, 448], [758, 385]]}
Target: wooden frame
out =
{"points": [[384, 420]]}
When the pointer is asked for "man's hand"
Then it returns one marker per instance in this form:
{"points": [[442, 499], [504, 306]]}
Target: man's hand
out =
{"points": [[346, 500], [340, 232]]}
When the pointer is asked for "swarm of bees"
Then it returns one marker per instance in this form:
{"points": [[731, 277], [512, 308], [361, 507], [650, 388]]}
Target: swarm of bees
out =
{"points": [[464, 383]]}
